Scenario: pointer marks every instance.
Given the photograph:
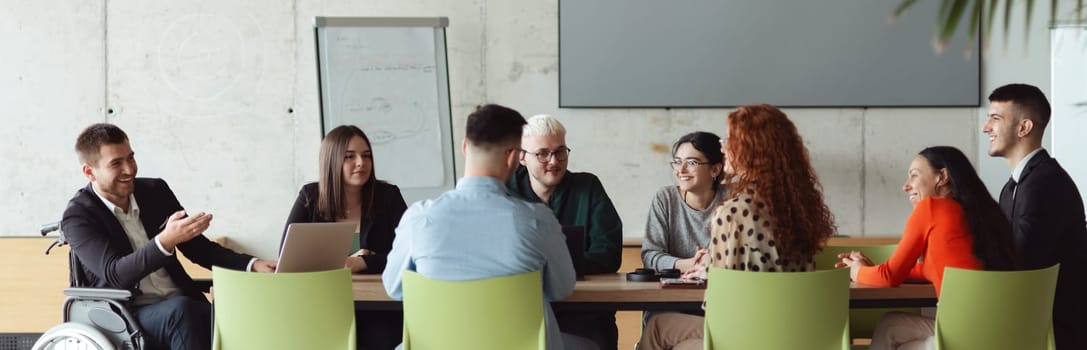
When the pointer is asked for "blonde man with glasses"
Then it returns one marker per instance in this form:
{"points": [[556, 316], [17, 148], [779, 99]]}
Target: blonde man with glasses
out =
{"points": [[577, 199]]}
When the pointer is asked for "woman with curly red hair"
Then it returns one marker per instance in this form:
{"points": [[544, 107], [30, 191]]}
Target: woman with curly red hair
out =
{"points": [[774, 219]]}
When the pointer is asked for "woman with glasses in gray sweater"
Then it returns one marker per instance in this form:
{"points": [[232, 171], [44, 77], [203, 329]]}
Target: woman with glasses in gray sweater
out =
{"points": [[676, 234]]}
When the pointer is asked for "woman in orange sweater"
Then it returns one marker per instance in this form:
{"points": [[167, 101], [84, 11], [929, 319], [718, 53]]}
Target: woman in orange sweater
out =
{"points": [[955, 222]]}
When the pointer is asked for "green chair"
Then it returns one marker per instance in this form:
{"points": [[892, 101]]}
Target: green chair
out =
{"points": [[996, 310], [862, 322], [501, 313], [777, 310], [306, 310]]}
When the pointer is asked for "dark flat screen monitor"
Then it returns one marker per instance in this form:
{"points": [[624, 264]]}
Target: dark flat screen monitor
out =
{"points": [[575, 243], [790, 53]]}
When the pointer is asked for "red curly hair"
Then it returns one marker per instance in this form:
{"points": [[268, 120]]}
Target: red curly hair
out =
{"points": [[767, 151]]}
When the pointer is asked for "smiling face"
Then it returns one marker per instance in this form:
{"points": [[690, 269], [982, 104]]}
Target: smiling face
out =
{"points": [[113, 173], [922, 181], [695, 178], [358, 162], [546, 174], [1002, 128]]}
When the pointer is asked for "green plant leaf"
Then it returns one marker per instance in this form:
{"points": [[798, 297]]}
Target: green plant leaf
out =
{"points": [[951, 22], [1007, 20], [1079, 11], [951, 12], [989, 22], [975, 16], [902, 6], [1030, 14], [945, 8], [1052, 11], [991, 15]]}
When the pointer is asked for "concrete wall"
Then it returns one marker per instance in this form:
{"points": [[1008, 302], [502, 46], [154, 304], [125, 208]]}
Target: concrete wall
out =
{"points": [[220, 99]]}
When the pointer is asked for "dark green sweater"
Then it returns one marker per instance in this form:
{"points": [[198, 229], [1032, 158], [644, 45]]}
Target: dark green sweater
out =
{"points": [[580, 200]]}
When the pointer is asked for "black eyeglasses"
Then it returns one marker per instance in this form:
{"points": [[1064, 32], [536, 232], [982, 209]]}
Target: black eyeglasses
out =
{"points": [[544, 155], [690, 163]]}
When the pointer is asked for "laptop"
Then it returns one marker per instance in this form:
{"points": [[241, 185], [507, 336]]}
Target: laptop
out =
{"points": [[575, 244], [310, 247]]}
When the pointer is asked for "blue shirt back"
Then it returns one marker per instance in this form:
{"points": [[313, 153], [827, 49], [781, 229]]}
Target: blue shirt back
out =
{"points": [[479, 231]]}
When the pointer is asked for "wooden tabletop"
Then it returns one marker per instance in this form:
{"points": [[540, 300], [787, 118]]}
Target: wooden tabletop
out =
{"points": [[613, 291], [631, 242]]}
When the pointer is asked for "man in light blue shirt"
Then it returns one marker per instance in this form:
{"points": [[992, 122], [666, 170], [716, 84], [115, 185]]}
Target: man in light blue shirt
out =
{"points": [[479, 231]]}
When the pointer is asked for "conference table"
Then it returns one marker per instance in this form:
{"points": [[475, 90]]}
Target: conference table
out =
{"points": [[614, 292]]}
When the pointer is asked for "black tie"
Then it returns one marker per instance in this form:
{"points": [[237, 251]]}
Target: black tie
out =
{"points": [[1007, 198]]}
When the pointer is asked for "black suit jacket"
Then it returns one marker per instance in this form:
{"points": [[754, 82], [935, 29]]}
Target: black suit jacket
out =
{"points": [[1048, 223], [108, 258], [389, 206]]}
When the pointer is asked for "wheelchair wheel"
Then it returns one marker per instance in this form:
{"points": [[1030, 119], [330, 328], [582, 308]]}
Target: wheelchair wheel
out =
{"points": [[73, 336]]}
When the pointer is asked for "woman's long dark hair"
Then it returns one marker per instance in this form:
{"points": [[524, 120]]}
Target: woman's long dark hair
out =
{"points": [[992, 233]]}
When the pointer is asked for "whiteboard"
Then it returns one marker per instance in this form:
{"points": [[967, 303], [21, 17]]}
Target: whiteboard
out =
{"points": [[1069, 94], [388, 76]]}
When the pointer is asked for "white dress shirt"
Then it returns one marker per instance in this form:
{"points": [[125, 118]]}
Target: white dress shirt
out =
{"points": [[1018, 171]]}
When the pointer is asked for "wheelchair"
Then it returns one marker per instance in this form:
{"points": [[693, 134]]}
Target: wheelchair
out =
{"points": [[93, 318]]}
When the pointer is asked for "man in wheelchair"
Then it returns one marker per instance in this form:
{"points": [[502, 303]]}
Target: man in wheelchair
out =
{"points": [[124, 231]]}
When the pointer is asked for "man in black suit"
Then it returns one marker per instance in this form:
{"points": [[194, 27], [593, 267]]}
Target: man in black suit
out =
{"points": [[124, 231], [1043, 204]]}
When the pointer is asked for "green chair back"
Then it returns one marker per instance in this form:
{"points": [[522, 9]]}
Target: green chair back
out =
{"points": [[306, 310], [862, 322], [777, 310], [996, 310], [501, 313]]}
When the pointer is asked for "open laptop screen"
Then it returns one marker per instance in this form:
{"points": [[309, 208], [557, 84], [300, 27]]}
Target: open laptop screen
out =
{"points": [[575, 243], [309, 247]]}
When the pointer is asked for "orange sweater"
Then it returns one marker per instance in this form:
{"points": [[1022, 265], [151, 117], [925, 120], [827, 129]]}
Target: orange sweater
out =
{"points": [[936, 230]]}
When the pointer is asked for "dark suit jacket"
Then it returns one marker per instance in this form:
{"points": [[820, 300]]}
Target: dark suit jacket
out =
{"points": [[389, 206], [108, 258], [1048, 223]]}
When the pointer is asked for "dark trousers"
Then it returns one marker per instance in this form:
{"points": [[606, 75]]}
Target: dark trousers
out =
{"points": [[177, 323], [379, 330], [596, 326], [1069, 336], [1069, 325], [1070, 307]]}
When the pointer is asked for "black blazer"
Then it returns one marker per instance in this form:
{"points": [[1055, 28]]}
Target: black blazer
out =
{"points": [[108, 258], [389, 206], [1048, 224]]}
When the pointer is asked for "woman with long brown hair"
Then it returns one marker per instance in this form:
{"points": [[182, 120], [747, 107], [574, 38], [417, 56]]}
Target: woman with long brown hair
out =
{"points": [[348, 191], [773, 220]]}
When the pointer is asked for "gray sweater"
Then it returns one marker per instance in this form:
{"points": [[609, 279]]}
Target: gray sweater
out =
{"points": [[673, 230]]}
